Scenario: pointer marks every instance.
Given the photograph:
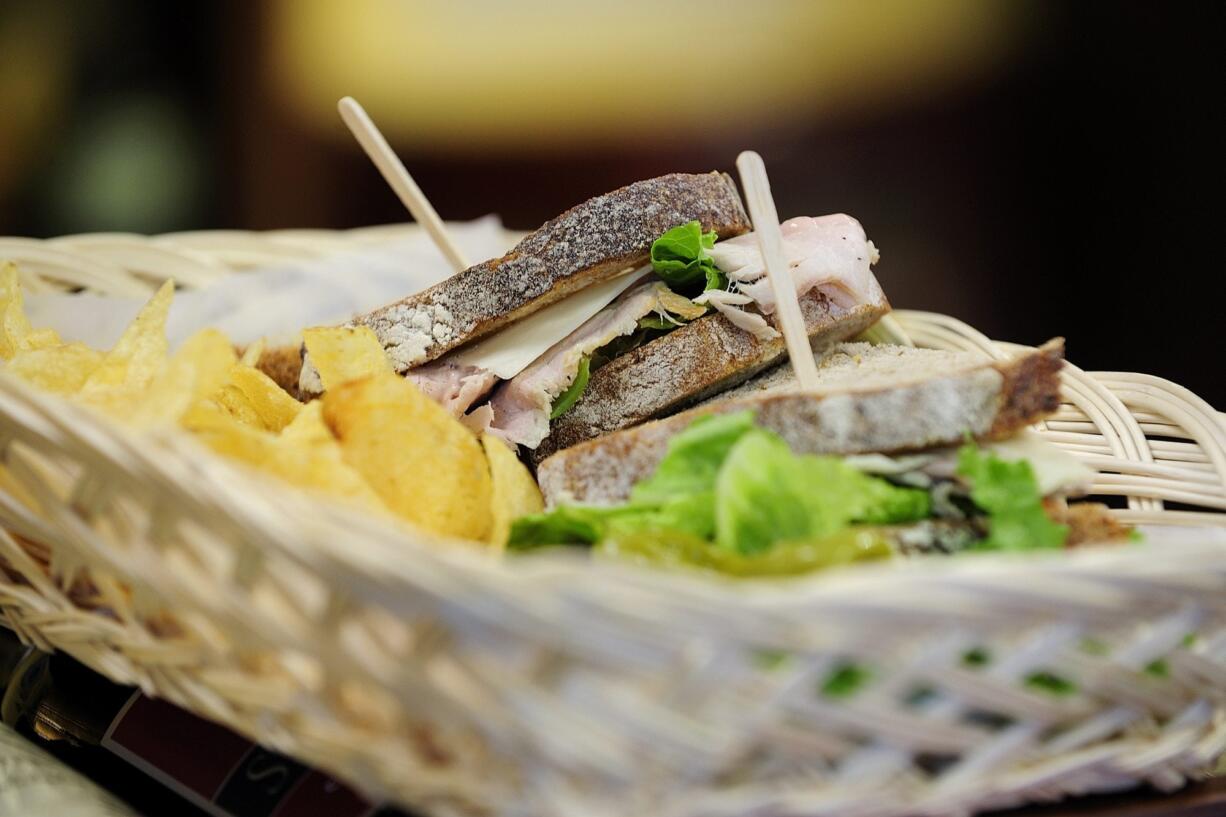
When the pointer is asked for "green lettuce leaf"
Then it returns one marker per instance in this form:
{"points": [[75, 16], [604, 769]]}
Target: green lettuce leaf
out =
{"points": [[692, 514], [687, 514], [694, 458], [682, 258], [585, 525], [656, 322], [672, 548], [845, 680], [679, 496], [1009, 493], [766, 494], [731, 497], [567, 399], [564, 525]]}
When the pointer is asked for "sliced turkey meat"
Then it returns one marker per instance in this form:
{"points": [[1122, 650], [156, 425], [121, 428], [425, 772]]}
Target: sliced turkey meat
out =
{"points": [[830, 253], [455, 386], [520, 408], [729, 305]]}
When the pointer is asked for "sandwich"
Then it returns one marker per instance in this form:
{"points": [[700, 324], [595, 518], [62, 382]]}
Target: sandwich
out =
{"points": [[896, 450], [628, 307]]}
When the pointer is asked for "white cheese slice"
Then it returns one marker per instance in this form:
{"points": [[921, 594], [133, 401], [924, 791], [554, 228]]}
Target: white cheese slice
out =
{"points": [[509, 352]]}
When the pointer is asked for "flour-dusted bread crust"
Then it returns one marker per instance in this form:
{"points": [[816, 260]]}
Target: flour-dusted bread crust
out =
{"points": [[904, 400], [691, 363], [586, 244]]}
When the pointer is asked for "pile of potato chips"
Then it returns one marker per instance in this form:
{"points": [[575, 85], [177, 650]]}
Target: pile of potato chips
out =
{"points": [[373, 439]]}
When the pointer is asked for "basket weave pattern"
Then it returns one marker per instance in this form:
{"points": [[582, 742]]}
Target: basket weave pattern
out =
{"points": [[428, 673]]}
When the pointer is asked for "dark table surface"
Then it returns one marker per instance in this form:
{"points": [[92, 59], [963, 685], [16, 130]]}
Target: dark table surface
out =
{"points": [[1207, 799]]}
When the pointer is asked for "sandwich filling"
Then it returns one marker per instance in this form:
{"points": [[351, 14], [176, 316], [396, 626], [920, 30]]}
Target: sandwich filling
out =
{"points": [[697, 276], [694, 276], [732, 497], [460, 379], [521, 410], [453, 384]]}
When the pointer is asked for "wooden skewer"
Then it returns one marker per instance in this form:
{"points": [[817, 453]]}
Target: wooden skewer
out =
{"points": [[770, 241], [395, 174]]}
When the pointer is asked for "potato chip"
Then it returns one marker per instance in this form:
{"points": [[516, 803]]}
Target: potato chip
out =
{"points": [[226, 435], [210, 356], [318, 465], [140, 353], [253, 352], [341, 354], [231, 398], [309, 426], [271, 404], [58, 369], [514, 492], [15, 331], [376, 441], [196, 371], [205, 414], [424, 464]]}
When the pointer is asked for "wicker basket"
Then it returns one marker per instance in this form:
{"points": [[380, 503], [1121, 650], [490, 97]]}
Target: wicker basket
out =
{"points": [[434, 675]]}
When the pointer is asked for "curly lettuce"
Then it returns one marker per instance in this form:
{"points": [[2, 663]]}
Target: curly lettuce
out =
{"points": [[682, 258], [731, 497], [1009, 494]]}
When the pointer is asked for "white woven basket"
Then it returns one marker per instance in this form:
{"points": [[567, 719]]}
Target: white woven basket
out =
{"points": [[437, 676]]}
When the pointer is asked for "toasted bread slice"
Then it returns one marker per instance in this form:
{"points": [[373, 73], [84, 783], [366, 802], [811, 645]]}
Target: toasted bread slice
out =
{"points": [[872, 399], [692, 363], [283, 364], [1089, 523], [589, 243]]}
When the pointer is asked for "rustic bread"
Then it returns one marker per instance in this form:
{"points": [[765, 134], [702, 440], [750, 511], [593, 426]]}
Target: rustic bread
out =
{"points": [[1089, 523], [873, 399], [586, 244], [691, 363], [283, 364]]}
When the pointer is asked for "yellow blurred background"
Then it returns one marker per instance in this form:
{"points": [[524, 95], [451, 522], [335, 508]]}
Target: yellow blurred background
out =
{"points": [[530, 74], [1034, 167]]}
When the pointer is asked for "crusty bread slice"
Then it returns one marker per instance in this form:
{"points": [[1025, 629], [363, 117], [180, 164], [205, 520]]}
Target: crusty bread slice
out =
{"points": [[283, 364], [587, 244], [1089, 523], [884, 399], [690, 364]]}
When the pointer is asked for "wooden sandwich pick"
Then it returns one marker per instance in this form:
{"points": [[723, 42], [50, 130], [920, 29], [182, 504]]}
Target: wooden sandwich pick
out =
{"points": [[770, 240], [396, 175]]}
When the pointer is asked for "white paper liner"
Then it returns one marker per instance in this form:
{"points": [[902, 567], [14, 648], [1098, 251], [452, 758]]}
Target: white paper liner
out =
{"points": [[277, 302]]}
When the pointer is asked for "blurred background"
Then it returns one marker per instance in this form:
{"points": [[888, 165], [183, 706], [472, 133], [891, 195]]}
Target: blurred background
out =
{"points": [[1034, 168]]}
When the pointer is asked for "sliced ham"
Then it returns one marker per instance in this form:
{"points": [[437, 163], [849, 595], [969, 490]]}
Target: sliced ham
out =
{"points": [[520, 408], [454, 386], [830, 253]]}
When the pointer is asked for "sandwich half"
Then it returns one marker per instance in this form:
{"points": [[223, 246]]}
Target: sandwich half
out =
{"points": [[594, 246], [631, 306], [913, 449]]}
